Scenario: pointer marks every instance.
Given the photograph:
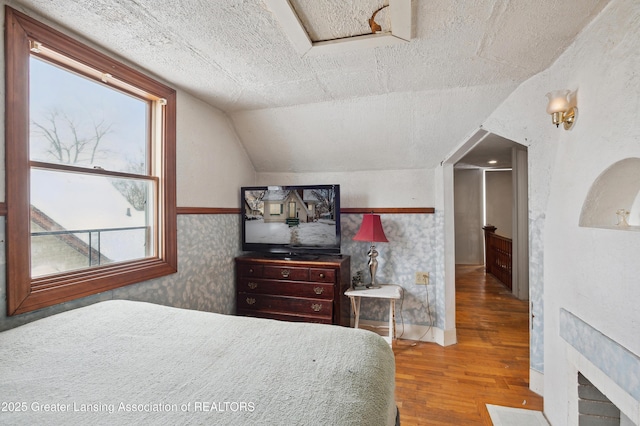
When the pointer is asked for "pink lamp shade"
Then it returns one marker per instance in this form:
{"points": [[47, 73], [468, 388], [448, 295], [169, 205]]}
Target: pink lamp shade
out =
{"points": [[371, 229]]}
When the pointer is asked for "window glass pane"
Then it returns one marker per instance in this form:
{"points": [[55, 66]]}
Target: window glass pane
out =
{"points": [[275, 209], [75, 120], [78, 221]]}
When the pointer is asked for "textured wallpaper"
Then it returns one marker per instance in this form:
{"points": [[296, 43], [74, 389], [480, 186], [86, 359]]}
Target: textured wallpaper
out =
{"points": [[207, 245], [412, 247], [536, 289]]}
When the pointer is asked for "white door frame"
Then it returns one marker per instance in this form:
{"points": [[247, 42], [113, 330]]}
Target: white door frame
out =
{"points": [[444, 199]]}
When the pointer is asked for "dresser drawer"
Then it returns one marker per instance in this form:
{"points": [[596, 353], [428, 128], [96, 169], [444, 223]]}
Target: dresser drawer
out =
{"points": [[302, 289], [322, 275], [253, 270], [286, 273], [286, 288], [285, 305]]}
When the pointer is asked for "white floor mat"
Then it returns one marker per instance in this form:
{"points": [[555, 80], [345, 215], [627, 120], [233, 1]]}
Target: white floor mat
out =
{"points": [[507, 416]]}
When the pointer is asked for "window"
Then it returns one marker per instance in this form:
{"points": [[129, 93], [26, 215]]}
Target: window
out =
{"points": [[90, 160], [276, 209]]}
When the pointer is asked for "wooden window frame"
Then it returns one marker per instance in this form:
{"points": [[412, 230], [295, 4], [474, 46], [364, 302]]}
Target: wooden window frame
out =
{"points": [[24, 293]]}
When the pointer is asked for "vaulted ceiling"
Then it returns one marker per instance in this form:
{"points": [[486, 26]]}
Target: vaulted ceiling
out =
{"points": [[403, 106]]}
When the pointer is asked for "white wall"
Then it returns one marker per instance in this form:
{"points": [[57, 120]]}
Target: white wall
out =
{"points": [[375, 188], [340, 134], [499, 201], [211, 164], [591, 273], [468, 204]]}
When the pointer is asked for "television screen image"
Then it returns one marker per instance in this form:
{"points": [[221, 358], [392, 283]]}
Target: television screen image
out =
{"points": [[291, 219]]}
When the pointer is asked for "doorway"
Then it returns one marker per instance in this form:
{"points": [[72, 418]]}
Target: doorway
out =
{"points": [[490, 188], [475, 150]]}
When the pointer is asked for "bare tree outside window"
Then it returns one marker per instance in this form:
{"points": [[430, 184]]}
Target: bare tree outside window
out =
{"points": [[325, 199], [134, 191], [68, 142]]}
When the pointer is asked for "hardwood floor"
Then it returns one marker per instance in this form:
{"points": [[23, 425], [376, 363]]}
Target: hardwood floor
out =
{"points": [[438, 385]]}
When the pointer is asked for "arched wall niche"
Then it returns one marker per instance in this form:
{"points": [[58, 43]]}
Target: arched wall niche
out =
{"points": [[617, 188]]}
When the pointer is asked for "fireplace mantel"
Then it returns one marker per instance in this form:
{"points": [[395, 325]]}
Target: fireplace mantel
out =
{"points": [[614, 369]]}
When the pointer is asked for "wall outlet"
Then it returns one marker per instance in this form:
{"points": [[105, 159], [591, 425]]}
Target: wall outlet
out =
{"points": [[422, 278]]}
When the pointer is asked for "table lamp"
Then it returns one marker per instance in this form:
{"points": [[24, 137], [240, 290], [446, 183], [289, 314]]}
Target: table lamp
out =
{"points": [[371, 230]]}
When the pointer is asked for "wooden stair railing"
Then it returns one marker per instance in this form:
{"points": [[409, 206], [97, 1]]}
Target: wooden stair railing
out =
{"points": [[498, 255]]}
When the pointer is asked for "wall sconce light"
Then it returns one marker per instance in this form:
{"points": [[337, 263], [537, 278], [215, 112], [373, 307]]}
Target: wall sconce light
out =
{"points": [[560, 110]]}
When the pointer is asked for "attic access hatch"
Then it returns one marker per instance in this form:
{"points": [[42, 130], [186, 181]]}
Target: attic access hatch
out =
{"points": [[333, 26]]}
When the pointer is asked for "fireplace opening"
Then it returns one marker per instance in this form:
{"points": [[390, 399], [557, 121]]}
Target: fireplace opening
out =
{"points": [[595, 409]]}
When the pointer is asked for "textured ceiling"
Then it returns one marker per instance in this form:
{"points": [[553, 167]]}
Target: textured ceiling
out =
{"points": [[492, 148], [334, 19], [395, 107]]}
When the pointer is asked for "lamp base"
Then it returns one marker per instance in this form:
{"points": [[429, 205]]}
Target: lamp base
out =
{"points": [[373, 266]]}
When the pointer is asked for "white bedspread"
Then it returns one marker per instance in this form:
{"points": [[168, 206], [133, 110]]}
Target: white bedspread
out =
{"points": [[124, 362]]}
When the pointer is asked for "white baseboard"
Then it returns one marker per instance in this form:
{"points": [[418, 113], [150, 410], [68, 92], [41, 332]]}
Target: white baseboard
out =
{"points": [[421, 333], [536, 381]]}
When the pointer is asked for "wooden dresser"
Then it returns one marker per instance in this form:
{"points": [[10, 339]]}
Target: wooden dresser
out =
{"points": [[307, 289]]}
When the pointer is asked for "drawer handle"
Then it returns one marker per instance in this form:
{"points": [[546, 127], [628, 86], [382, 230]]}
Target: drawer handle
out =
{"points": [[285, 273], [252, 285], [251, 301], [318, 290], [321, 275], [251, 270], [316, 307]]}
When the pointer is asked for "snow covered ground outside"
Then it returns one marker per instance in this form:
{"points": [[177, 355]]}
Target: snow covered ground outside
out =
{"points": [[320, 233]]}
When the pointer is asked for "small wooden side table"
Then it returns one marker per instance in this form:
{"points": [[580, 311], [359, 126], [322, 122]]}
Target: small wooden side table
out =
{"points": [[385, 291]]}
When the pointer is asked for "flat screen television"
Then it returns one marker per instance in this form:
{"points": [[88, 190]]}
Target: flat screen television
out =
{"points": [[291, 220]]}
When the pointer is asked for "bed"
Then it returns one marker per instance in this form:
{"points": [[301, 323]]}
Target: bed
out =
{"points": [[126, 362]]}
